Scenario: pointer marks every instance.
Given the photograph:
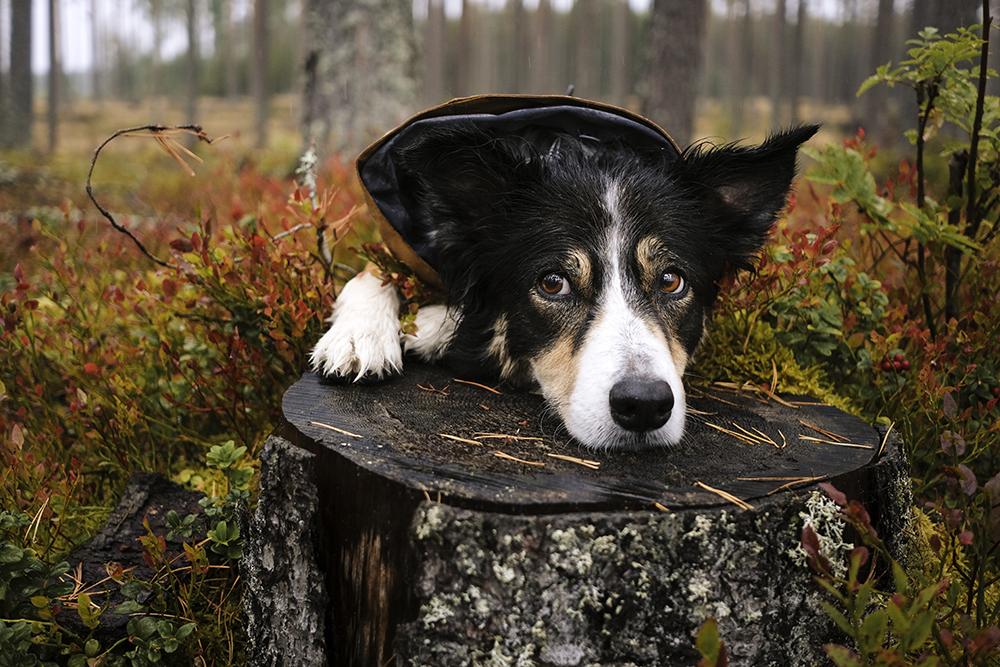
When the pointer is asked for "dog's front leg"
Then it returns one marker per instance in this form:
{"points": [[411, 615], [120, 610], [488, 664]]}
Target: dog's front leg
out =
{"points": [[363, 338]]}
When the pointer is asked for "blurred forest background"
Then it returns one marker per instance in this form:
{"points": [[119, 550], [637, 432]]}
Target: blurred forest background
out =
{"points": [[278, 72]]}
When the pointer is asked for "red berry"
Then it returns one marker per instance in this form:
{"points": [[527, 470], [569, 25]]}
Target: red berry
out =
{"points": [[995, 391], [887, 365], [897, 365], [906, 365], [898, 357]]}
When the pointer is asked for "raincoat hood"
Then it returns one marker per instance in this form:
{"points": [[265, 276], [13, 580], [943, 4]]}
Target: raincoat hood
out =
{"points": [[533, 118]]}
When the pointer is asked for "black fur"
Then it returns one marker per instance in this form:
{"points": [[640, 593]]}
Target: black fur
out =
{"points": [[497, 214]]}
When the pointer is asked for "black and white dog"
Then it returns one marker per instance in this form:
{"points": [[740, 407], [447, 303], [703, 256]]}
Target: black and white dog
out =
{"points": [[582, 260]]}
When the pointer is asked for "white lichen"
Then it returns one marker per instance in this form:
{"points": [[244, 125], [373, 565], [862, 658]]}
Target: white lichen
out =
{"points": [[824, 516]]}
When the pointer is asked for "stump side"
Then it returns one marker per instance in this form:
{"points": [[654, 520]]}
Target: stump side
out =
{"points": [[620, 588], [286, 603]]}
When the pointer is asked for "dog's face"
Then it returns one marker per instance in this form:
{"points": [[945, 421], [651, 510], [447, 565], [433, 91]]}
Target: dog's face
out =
{"points": [[591, 268]]}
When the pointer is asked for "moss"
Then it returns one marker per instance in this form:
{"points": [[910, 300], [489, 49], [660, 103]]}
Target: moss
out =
{"points": [[731, 353]]}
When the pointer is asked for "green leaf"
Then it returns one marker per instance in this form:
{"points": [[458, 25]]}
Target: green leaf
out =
{"points": [[838, 618], [10, 554], [872, 632], [842, 656], [129, 607], [919, 631], [708, 642]]}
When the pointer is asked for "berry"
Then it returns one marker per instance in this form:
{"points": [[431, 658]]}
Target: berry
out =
{"points": [[899, 357], [887, 365]]}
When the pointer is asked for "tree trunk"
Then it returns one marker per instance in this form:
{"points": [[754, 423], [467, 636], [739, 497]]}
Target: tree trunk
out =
{"points": [[193, 58], [465, 50], [95, 50], [20, 122], [676, 46], [445, 549], [588, 49], [797, 61], [542, 63], [359, 74], [225, 56], [55, 74], [434, 54], [875, 102], [258, 74], [156, 80], [621, 53], [778, 68]]}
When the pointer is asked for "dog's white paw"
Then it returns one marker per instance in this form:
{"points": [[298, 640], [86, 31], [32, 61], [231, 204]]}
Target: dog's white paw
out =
{"points": [[435, 328], [363, 338]]}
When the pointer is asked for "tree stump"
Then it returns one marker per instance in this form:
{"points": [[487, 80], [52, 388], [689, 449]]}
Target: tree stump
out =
{"points": [[459, 526]]}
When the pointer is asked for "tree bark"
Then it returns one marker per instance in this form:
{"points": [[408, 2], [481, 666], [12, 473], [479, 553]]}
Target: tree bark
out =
{"points": [[621, 53], [674, 64], [779, 64], [359, 72], [193, 67], [541, 64], [797, 60], [434, 54], [465, 50], [21, 117], [258, 75], [875, 102], [55, 74], [588, 49]]}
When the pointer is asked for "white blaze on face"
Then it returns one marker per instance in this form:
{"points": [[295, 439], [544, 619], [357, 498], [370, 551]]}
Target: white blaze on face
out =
{"points": [[621, 344]]}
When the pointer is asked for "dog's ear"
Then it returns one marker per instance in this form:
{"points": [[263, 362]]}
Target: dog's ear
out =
{"points": [[455, 177], [742, 189]]}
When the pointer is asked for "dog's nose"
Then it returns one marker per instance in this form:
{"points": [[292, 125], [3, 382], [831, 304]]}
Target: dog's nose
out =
{"points": [[641, 405]]}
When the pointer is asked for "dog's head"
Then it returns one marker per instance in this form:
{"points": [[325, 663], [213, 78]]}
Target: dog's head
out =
{"points": [[590, 267]]}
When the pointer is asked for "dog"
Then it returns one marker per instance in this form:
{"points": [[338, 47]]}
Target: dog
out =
{"points": [[582, 262]]}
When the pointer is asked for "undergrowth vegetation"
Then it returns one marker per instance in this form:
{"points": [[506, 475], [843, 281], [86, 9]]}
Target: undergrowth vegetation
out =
{"points": [[111, 364], [880, 294]]}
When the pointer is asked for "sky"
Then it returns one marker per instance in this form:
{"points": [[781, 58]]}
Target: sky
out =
{"points": [[124, 15]]}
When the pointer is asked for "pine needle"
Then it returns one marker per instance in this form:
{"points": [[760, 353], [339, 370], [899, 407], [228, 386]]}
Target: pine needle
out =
{"points": [[514, 458], [727, 496], [338, 430]]}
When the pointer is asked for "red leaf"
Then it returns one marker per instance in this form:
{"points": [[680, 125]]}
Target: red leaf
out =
{"points": [[965, 537], [835, 495], [949, 406], [91, 368], [169, 289], [196, 241], [19, 274]]}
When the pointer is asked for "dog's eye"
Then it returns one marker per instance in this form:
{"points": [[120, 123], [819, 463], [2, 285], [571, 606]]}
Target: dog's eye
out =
{"points": [[554, 285], [671, 283]]}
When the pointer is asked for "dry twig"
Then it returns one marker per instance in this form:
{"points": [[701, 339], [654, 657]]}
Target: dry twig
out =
{"points": [[164, 137]]}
